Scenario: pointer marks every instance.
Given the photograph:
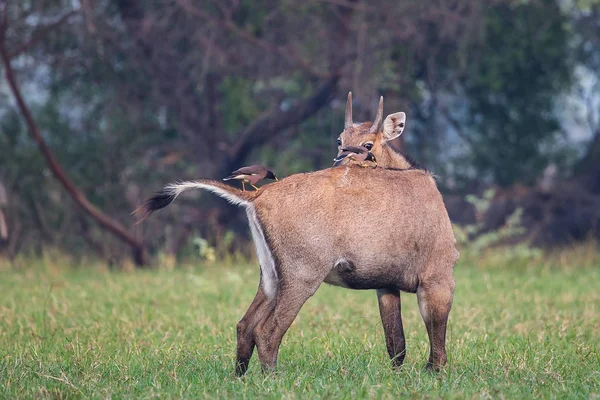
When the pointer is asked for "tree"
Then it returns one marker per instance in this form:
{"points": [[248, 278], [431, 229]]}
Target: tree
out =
{"points": [[135, 94], [585, 15], [503, 107], [7, 52]]}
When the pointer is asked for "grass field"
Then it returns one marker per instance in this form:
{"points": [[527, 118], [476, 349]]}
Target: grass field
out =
{"points": [[517, 330]]}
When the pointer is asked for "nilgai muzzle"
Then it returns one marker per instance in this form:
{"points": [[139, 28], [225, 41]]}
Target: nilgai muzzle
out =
{"points": [[360, 228]]}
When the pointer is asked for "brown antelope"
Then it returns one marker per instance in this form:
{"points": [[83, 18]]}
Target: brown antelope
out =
{"points": [[355, 227]]}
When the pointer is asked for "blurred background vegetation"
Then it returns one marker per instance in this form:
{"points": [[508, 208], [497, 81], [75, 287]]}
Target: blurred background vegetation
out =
{"points": [[123, 96]]}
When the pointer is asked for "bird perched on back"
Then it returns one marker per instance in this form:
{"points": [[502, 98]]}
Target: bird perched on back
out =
{"points": [[251, 174], [358, 154]]}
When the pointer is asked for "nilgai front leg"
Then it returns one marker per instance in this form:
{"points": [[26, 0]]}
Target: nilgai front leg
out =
{"points": [[259, 309], [391, 318], [435, 302], [289, 300]]}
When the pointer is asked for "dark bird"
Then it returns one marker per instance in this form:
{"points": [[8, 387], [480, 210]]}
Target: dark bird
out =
{"points": [[355, 153], [251, 174]]}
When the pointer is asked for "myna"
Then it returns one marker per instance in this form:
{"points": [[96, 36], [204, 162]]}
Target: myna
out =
{"points": [[251, 174], [356, 153]]}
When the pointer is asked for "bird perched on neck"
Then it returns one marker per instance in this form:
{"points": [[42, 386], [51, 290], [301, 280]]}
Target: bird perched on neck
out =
{"points": [[251, 174], [357, 154]]}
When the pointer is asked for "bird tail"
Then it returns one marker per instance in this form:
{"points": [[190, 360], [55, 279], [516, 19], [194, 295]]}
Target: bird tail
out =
{"points": [[230, 177], [340, 157], [170, 192]]}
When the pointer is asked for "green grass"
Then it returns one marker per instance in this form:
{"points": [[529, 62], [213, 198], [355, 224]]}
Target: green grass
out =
{"points": [[516, 331]]}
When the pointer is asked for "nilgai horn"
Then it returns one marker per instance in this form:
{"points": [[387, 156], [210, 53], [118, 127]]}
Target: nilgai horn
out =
{"points": [[375, 137], [349, 226]]}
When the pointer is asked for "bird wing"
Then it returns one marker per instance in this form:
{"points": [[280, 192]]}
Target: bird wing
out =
{"points": [[249, 170], [349, 154], [355, 149], [342, 156]]}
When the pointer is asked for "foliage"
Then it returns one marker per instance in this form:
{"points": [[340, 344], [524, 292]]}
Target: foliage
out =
{"points": [[204, 250], [131, 95], [82, 331], [510, 91], [475, 242]]}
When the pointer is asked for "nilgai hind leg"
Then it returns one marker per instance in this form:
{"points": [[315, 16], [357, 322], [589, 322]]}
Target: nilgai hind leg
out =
{"points": [[289, 299], [435, 302], [259, 309], [391, 318]]}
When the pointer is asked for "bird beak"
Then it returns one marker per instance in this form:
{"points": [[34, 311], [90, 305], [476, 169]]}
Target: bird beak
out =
{"points": [[276, 179]]}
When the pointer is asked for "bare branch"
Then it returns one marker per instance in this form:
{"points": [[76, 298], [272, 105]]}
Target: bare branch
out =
{"points": [[349, 4], [293, 58], [88, 12], [3, 18], [78, 197], [40, 34], [275, 121]]}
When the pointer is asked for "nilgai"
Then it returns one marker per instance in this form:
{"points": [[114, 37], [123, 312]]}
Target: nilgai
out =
{"points": [[251, 174], [360, 228]]}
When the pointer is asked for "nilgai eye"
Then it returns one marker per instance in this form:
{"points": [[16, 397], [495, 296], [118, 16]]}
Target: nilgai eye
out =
{"points": [[339, 141], [368, 146]]}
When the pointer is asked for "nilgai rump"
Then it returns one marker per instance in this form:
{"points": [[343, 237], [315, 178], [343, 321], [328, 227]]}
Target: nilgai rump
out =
{"points": [[349, 226]]}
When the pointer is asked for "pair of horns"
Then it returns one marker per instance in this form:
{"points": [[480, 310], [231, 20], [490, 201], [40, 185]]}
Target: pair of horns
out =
{"points": [[376, 124]]}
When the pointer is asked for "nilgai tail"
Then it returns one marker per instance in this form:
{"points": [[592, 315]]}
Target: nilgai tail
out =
{"points": [[236, 197], [169, 193]]}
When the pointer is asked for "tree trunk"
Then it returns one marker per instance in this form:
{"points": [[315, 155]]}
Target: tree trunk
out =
{"points": [[78, 197], [587, 170]]}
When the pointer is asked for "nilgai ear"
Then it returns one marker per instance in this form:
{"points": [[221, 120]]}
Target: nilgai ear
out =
{"points": [[393, 126]]}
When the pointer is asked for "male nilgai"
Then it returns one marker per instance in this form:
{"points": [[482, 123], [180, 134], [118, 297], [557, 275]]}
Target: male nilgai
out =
{"points": [[359, 228]]}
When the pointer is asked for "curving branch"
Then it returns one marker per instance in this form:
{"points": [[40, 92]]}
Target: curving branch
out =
{"points": [[78, 197], [40, 34], [265, 127]]}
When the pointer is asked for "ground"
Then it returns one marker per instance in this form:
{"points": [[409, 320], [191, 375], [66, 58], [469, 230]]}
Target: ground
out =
{"points": [[517, 330]]}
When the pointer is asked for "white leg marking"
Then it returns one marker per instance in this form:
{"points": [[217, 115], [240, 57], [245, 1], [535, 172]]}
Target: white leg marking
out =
{"points": [[265, 258], [422, 305]]}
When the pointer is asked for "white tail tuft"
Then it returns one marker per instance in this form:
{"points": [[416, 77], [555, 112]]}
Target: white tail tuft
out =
{"points": [[177, 188]]}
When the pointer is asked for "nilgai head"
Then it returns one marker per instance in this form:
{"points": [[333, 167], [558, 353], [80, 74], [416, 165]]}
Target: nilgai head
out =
{"points": [[375, 136]]}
